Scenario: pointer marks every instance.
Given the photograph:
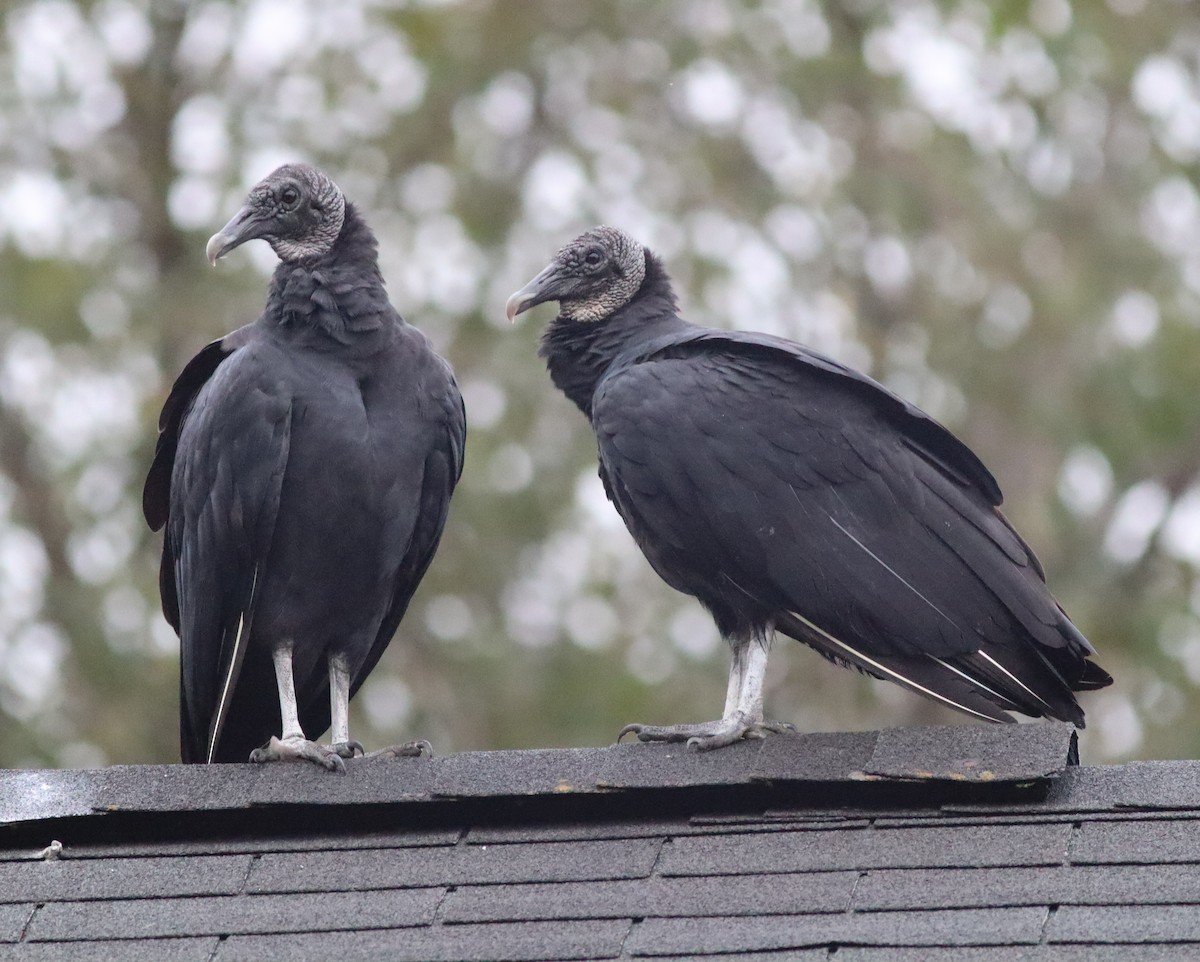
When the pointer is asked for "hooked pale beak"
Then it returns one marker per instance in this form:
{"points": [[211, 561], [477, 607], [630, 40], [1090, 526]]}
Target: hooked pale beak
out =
{"points": [[542, 288], [243, 226]]}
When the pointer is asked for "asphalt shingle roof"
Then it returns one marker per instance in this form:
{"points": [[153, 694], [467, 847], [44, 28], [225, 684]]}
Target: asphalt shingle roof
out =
{"points": [[972, 844]]}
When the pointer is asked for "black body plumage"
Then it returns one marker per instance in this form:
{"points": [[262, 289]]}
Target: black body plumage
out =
{"points": [[304, 469], [788, 492]]}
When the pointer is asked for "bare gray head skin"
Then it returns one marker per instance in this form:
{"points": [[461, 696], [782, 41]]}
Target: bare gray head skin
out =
{"points": [[591, 277], [297, 209]]}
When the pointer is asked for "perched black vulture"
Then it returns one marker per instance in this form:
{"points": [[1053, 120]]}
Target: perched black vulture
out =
{"points": [[790, 493], [304, 468]]}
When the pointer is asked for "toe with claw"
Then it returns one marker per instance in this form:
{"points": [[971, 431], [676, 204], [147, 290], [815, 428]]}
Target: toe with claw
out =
{"points": [[706, 736], [668, 733], [418, 749], [298, 749]]}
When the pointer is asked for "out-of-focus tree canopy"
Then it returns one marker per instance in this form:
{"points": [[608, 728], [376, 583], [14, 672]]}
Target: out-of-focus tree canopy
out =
{"points": [[988, 207]]}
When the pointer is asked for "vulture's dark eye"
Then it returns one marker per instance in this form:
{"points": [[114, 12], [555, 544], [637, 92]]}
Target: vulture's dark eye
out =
{"points": [[593, 258], [289, 196]]}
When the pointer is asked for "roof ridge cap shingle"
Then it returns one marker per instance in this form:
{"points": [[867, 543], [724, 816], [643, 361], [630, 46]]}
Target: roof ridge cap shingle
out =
{"points": [[928, 765]]}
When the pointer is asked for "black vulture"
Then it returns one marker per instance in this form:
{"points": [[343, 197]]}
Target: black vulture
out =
{"points": [[304, 468], [790, 493]]}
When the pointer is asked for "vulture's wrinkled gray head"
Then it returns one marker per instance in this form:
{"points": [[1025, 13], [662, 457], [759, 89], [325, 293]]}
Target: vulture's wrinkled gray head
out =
{"points": [[594, 275], [297, 209]]}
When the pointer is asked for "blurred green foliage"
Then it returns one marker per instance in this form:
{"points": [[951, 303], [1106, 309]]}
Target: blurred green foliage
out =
{"points": [[990, 208]]}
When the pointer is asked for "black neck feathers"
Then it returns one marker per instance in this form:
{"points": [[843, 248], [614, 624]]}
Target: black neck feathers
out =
{"points": [[657, 285], [579, 353], [338, 294]]}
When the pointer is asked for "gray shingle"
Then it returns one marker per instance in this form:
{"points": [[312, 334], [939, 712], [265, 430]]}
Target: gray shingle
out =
{"points": [[1011, 926], [814, 757], [1181, 952], [1153, 785], [460, 865], [27, 796], [638, 828], [773, 818], [1031, 953], [591, 770], [973, 953], [972, 753], [1125, 923], [12, 921], [126, 950], [488, 774], [636, 898], [39, 881], [554, 831], [485, 943], [819, 954], [367, 781], [301, 841], [919, 819], [1044, 885], [220, 915], [783, 851], [1142, 841]]}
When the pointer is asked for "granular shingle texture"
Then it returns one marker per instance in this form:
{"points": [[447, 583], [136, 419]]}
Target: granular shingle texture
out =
{"points": [[967, 844]]}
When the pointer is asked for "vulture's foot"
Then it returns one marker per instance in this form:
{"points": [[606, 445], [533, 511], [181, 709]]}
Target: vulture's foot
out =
{"points": [[415, 749], [706, 736], [347, 749], [296, 749]]}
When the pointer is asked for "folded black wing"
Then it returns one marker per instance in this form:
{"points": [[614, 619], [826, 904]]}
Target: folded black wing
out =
{"points": [[215, 484], [447, 435], [775, 483]]}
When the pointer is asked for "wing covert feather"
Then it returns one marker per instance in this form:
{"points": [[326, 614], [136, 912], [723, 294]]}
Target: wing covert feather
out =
{"points": [[818, 496]]}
